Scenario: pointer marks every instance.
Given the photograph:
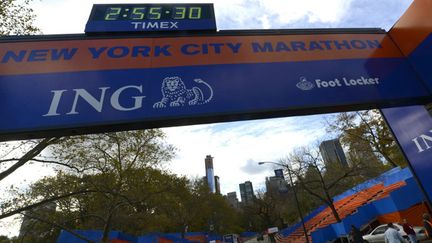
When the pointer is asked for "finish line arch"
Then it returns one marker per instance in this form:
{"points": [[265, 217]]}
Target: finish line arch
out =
{"points": [[77, 84]]}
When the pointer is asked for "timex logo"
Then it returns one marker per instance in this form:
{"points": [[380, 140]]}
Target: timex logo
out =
{"points": [[155, 25]]}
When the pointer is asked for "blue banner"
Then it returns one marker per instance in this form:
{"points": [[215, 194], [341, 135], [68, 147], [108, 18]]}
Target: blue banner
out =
{"points": [[66, 86], [412, 127], [65, 100]]}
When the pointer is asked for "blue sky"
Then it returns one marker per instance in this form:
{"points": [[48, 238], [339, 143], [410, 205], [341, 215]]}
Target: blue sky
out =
{"points": [[238, 146]]}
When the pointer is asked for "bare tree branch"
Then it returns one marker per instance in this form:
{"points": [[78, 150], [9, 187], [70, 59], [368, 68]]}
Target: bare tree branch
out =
{"points": [[33, 216], [29, 155]]}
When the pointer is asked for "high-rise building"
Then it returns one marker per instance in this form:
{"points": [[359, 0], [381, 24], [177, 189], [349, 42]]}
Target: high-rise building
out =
{"points": [[332, 152], [217, 185], [276, 184], [279, 173], [210, 173], [232, 199], [246, 192]]}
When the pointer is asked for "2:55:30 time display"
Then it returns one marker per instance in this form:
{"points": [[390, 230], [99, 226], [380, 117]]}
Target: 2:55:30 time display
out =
{"points": [[140, 13]]}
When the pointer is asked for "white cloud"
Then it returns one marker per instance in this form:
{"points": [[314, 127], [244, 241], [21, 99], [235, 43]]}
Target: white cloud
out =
{"points": [[230, 14], [234, 145]]}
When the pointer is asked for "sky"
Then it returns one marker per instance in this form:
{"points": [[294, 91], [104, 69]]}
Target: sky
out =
{"points": [[237, 147]]}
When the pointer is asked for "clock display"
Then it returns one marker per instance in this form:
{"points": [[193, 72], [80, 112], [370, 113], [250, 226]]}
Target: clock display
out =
{"points": [[141, 13], [150, 17]]}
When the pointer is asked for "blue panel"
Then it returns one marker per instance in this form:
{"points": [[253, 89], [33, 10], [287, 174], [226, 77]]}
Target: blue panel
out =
{"points": [[421, 60], [136, 95], [154, 25], [412, 127]]}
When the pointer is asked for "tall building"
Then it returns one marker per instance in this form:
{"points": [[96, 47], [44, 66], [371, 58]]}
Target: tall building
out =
{"points": [[246, 192], [217, 185], [232, 199], [279, 173], [210, 173], [332, 152], [276, 184]]}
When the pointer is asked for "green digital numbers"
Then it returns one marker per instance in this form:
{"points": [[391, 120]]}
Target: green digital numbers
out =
{"points": [[154, 13], [138, 13], [184, 12], [194, 13], [112, 13], [179, 13]]}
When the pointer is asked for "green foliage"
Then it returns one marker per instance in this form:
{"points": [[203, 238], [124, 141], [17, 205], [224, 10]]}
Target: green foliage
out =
{"points": [[114, 152], [16, 18], [367, 137], [119, 184], [150, 200], [262, 213]]}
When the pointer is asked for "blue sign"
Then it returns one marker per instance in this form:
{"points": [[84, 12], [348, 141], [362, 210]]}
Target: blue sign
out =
{"points": [[64, 87], [412, 127]]}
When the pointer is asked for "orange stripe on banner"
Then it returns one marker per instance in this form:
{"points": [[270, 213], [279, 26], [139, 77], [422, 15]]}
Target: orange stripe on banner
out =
{"points": [[111, 54], [413, 27]]}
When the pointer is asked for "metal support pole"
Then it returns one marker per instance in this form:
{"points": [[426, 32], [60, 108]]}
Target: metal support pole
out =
{"points": [[298, 204], [295, 195]]}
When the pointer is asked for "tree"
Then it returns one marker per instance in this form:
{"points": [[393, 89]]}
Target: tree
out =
{"points": [[264, 208], [131, 210], [324, 181], [196, 208], [150, 200], [366, 133], [16, 18], [111, 167], [116, 163]]}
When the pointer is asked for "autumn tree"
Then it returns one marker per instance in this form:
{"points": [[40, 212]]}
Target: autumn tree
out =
{"points": [[324, 181], [115, 161], [150, 200], [17, 18], [134, 211], [367, 137]]}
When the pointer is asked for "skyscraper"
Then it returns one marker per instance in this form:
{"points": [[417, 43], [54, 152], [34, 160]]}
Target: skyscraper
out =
{"points": [[210, 173], [332, 152], [279, 173], [232, 199], [246, 192], [277, 184]]}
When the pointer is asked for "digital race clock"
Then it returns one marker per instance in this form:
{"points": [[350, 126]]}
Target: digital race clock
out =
{"points": [[150, 17]]}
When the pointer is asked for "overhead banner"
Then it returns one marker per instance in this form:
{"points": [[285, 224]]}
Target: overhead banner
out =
{"points": [[412, 33], [67, 86], [412, 127]]}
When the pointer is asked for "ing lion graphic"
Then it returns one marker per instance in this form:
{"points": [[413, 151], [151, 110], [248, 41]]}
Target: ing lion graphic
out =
{"points": [[175, 93]]}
